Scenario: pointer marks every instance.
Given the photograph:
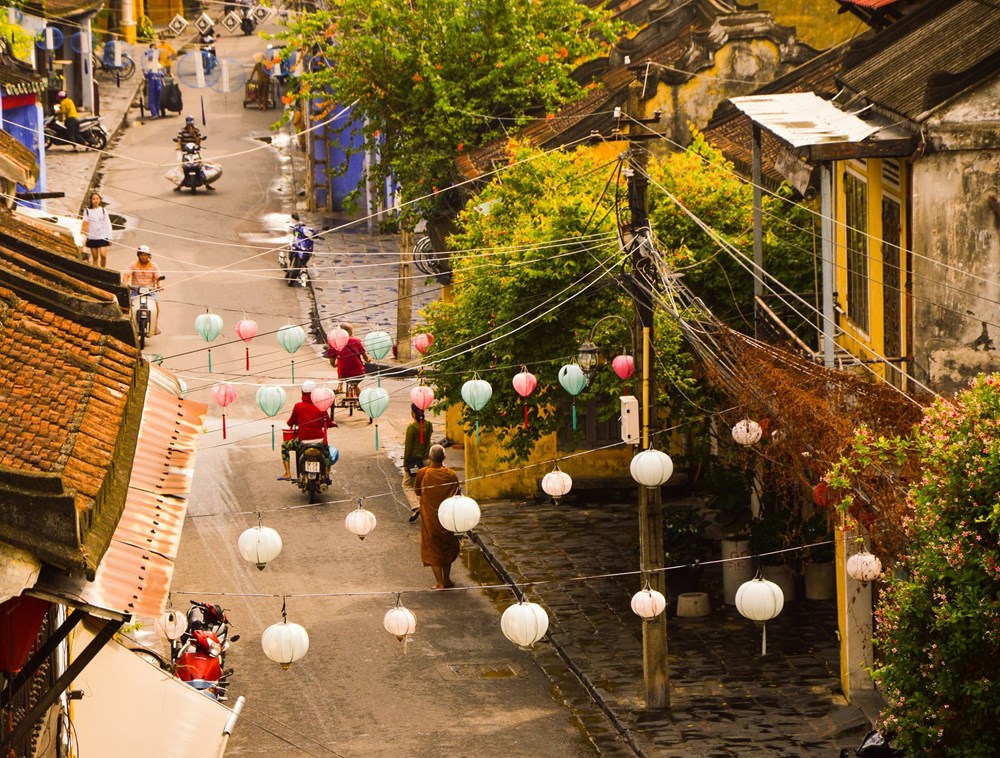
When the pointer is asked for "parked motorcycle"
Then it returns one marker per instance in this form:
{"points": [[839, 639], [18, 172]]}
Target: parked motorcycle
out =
{"points": [[193, 171], [312, 474], [145, 314], [298, 254], [874, 745], [199, 654], [91, 133]]}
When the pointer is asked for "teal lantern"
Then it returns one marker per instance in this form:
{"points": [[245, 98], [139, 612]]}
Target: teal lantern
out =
{"points": [[476, 393], [378, 344], [374, 401], [573, 380], [271, 399], [209, 326], [291, 337]]}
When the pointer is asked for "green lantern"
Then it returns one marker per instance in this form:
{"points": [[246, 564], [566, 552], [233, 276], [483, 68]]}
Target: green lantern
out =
{"points": [[374, 401], [378, 344], [291, 337], [573, 380], [271, 399], [209, 326]]}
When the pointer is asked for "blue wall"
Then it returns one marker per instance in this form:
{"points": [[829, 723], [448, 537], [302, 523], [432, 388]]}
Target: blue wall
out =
{"points": [[337, 149], [23, 123]]}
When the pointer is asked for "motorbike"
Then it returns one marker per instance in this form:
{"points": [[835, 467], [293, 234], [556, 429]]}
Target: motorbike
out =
{"points": [[199, 654], [247, 24], [193, 171], [312, 474], [91, 133], [874, 745], [208, 56], [298, 254], [145, 312]]}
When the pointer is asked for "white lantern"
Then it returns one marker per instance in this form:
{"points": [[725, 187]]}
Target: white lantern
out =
{"points": [[556, 483], [747, 432], [259, 545], [651, 468], [360, 522], [171, 625], [648, 603], [285, 643], [459, 513], [863, 566], [401, 622], [524, 623], [760, 600]]}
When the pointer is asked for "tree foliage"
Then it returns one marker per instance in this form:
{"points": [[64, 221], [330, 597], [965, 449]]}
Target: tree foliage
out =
{"points": [[434, 79]]}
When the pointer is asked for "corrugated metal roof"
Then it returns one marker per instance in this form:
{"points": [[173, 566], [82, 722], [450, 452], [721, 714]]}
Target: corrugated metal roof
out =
{"points": [[803, 118], [923, 57]]}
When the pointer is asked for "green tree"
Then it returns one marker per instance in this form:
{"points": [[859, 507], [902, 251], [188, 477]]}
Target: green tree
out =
{"points": [[435, 79], [538, 264]]}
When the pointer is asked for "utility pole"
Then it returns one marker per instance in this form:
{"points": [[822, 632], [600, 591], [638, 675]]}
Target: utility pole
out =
{"points": [[404, 294], [656, 671]]}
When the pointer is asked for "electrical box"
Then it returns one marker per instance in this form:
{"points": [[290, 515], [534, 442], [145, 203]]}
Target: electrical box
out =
{"points": [[630, 419]]}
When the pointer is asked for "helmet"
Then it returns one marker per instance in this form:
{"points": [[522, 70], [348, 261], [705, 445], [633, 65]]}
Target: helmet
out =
{"points": [[308, 386], [189, 120], [143, 249], [60, 94]]}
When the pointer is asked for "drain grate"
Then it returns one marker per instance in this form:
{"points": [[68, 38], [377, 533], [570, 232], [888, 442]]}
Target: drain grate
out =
{"points": [[482, 671]]}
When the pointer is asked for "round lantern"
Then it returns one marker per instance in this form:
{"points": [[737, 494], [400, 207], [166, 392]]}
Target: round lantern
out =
{"points": [[524, 623], [524, 383], [556, 483], [259, 545], [271, 399], [760, 600], [648, 603], [373, 401], [285, 643], [863, 566], [623, 365], [747, 432], [322, 398], [208, 326], [291, 337], [337, 338], [821, 495], [399, 621], [171, 625], [651, 468], [246, 329], [378, 344], [422, 397], [360, 522], [572, 378], [423, 341], [476, 393], [224, 393], [459, 513]]}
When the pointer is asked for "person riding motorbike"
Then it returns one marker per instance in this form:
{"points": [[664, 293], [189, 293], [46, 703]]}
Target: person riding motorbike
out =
{"points": [[143, 273], [68, 114], [190, 134], [310, 424]]}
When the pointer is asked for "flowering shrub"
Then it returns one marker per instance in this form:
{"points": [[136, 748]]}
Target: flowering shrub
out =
{"points": [[938, 629]]}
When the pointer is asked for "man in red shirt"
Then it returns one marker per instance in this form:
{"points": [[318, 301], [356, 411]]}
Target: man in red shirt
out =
{"points": [[349, 361], [310, 424]]}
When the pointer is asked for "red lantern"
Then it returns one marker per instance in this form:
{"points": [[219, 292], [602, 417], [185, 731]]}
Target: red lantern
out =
{"points": [[624, 366], [337, 338], [20, 620], [322, 398], [224, 394], [422, 397], [524, 384], [246, 330], [821, 495], [423, 341]]}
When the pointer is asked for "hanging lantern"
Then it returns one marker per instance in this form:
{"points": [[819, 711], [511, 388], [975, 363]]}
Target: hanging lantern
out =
{"points": [[423, 341], [760, 600], [374, 401], [209, 326], [651, 468], [322, 398], [623, 365], [821, 495], [360, 522], [863, 566], [378, 344], [259, 545], [285, 643], [524, 623], [422, 396], [556, 483], [573, 380], [291, 337], [271, 399], [224, 394], [337, 338], [647, 603], [476, 393], [246, 330], [171, 624], [458, 513], [747, 432], [524, 384], [401, 622]]}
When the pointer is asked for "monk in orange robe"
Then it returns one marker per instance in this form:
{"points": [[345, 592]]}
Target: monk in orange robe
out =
{"points": [[438, 546]]}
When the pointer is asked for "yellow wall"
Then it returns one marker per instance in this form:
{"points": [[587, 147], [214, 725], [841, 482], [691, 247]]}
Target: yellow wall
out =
{"points": [[816, 22]]}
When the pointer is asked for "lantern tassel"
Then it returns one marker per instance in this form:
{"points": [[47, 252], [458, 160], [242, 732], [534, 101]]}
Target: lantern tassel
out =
{"points": [[272, 438], [574, 417], [763, 639], [293, 372], [421, 432], [210, 360], [376, 436], [223, 425], [477, 432], [525, 415], [248, 357]]}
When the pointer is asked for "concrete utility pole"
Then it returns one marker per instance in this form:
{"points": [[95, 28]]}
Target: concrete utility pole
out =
{"points": [[404, 303], [656, 671]]}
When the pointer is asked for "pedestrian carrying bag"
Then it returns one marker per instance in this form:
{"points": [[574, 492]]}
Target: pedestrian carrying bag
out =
{"points": [[413, 465]]}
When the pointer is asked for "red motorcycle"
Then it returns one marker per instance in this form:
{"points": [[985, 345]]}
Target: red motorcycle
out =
{"points": [[199, 655]]}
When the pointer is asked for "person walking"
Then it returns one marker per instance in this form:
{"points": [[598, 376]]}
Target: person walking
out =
{"points": [[349, 361], [416, 448], [438, 546], [154, 81], [97, 228]]}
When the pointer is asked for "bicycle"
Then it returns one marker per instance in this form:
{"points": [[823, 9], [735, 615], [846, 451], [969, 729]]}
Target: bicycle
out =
{"points": [[107, 66]]}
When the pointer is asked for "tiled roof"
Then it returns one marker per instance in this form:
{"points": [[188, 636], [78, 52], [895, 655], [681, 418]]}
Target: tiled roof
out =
{"points": [[926, 58], [17, 162], [18, 78]]}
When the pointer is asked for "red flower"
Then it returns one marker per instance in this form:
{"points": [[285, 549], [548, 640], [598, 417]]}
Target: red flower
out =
{"points": [[461, 146], [543, 58], [417, 77]]}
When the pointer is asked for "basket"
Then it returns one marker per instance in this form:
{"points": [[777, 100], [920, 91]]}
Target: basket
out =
{"points": [[288, 434]]}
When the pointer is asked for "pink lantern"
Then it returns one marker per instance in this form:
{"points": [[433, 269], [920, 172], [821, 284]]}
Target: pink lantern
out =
{"points": [[423, 341], [524, 384], [246, 330], [322, 398], [224, 394], [624, 366], [422, 397], [337, 338]]}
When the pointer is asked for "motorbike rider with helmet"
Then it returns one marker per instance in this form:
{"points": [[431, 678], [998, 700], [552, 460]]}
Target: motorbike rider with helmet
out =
{"points": [[143, 273], [191, 134], [310, 424]]}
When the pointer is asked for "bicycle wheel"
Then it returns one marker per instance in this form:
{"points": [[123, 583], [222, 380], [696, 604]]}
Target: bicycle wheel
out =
{"points": [[127, 68]]}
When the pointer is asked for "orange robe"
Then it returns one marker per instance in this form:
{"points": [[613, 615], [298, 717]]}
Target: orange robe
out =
{"points": [[433, 484]]}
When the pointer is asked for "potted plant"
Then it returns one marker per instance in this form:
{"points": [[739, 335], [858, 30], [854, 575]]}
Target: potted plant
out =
{"points": [[818, 567], [686, 544]]}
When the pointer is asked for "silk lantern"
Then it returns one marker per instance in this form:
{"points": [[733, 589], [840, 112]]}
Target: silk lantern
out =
{"points": [[556, 483], [647, 603], [378, 344], [476, 393], [322, 397], [259, 545], [360, 522], [623, 366], [285, 643], [271, 399], [246, 330], [423, 341], [291, 338], [863, 566], [760, 600], [573, 380], [747, 432], [458, 513], [337, 338], [524, 384], [524, 623], [400, 622], [651, 468], [374, 401], [171, 624], [224, 394], [209, 326]]}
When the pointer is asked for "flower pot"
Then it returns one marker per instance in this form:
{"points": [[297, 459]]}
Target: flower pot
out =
{"points": [[735, 572], [784, 577], [821, 581]]}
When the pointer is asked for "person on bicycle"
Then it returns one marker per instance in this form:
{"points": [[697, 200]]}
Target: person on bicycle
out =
{"points": [[310, 424], [349, 361]]}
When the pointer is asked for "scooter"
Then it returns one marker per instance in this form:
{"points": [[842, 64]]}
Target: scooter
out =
{"points": [[208, 56], [91, 133], [295, 259], [312, 474], [199, 655], [193, 171], [874, 745], [145, 313], [247, 24]]}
